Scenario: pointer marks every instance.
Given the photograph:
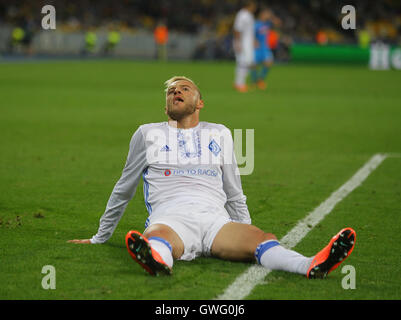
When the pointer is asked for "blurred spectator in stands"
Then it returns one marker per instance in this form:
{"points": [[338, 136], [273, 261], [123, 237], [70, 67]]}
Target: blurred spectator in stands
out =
{"points": [[302, 20], [321, 38], [22, 36], [161, 38], [284, 49], [113, 38], [17, 36], [363, 38], [272, 41], [90, 41], [28, 25]]}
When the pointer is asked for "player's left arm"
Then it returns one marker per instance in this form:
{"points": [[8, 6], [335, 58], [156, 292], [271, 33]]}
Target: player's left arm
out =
{"points": [[236, 200]]}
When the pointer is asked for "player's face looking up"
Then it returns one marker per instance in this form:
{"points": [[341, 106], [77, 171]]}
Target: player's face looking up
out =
{"points": [[182, 100]]}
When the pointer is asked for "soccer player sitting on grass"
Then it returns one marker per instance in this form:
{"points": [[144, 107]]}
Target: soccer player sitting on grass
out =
{"points": [[193, 194]]}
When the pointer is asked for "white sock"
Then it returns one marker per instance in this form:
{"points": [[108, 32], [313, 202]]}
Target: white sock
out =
{"points": [[273, 256], [163, 248], [241, 73]]}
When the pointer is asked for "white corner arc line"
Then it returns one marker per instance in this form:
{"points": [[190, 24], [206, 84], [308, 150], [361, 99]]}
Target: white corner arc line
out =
{"points": [[254, 275]]}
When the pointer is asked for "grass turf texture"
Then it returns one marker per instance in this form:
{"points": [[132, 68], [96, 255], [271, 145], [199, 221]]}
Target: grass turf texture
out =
{"points": [[65, 131]]}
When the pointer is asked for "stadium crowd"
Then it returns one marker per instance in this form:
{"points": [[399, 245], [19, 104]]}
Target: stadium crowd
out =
{"points": [[307, 21]]}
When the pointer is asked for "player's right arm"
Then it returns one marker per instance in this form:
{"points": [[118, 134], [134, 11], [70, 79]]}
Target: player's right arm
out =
{"points": [[123, 191]]}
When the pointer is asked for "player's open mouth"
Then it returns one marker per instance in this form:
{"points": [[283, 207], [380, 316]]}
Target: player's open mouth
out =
{"points": [[178, 99]]}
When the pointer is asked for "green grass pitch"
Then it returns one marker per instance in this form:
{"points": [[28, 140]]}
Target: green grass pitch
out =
{"points": [[65, 129]]}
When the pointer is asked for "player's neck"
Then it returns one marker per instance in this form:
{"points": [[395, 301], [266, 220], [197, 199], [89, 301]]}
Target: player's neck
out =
{"points": [[185, 123]]}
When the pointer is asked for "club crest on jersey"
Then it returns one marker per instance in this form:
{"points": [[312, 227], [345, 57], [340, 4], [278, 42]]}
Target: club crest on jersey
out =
{"points": [[214, 147]]}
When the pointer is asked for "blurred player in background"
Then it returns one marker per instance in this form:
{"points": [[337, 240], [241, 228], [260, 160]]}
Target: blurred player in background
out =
{"points": [[244, 44], [198, 208], [161, 37], [263, 54]]}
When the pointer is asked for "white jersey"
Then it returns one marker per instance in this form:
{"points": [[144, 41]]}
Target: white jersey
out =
{"points": [[193, 166], [244, 24]]}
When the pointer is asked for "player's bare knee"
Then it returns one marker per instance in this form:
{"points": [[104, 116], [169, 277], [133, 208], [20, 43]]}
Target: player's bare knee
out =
{"points": [[259, 237], [156, 230], [166, 233], [268, 236]]}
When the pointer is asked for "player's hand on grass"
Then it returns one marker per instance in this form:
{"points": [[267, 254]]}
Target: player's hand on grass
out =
{"points": [[79, 241]]}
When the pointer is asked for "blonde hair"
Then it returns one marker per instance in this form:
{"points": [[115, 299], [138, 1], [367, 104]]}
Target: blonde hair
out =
{"points": [[170, 81]]}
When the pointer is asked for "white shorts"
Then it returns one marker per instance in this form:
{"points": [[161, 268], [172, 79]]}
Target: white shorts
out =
{"points": [[245, 58], [196, 225]]}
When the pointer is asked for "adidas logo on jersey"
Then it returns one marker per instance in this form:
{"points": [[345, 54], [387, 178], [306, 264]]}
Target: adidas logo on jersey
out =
{"points": [[165, 148]]}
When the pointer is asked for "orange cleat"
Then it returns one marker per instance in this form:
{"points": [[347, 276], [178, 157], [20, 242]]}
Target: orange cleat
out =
{"points": [[140, 250], [328, 259], [262, 85], [241, 88]]}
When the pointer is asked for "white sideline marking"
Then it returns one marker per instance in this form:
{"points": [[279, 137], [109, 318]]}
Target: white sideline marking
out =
{"points": [[255, 274]]}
